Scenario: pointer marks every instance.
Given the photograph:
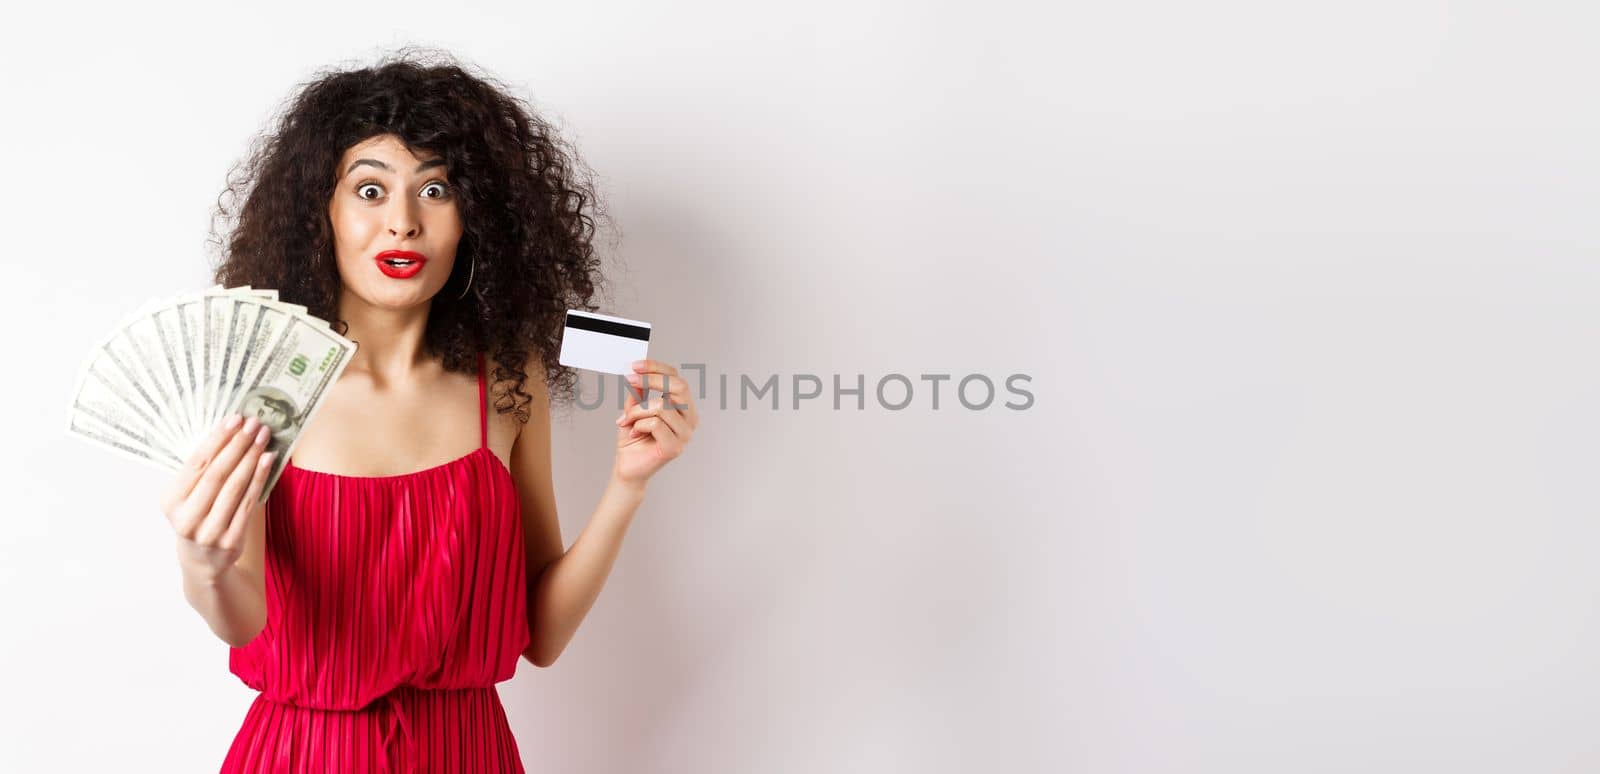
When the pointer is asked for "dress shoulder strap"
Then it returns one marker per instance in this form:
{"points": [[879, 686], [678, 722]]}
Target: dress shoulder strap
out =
{"points": [[483, 403]]}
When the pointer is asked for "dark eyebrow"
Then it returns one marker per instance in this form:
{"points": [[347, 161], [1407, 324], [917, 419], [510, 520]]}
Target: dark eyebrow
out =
{"points": [[426, 165]]}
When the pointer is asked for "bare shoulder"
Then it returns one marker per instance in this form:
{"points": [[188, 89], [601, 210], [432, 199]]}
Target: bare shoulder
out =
{"points": [[533, 383], [531, 470]]}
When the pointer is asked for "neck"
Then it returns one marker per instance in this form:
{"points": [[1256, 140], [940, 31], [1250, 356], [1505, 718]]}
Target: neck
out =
{"points": [[389, 340]]}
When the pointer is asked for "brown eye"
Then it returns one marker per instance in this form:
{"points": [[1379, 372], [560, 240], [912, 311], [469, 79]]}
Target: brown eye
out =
{"points": [[365, 186], [444, 190]]}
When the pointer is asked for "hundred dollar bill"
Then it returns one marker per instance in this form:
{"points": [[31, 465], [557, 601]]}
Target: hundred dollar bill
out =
{"points": [[285, 389], [86, 426], [228, 337], [103, 394], [178, 365], [104, 410], [112, 367], [147, 340], [259, 324], [213, 309], [190, 312], [130, 358], [144, 334], [230, 321]]}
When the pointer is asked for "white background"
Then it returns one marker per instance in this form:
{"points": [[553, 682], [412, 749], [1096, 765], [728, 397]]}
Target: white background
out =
{"points": [[1306, 292]]}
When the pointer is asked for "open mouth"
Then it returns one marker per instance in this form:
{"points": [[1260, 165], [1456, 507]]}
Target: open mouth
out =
{"points": [[400, 264]]}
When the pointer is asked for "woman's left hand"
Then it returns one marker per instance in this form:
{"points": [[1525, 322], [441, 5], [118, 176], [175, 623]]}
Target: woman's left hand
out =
{"points": [[653, 434]]}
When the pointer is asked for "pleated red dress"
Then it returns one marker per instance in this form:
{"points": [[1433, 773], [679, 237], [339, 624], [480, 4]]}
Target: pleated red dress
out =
{"points": [[394, 605]]}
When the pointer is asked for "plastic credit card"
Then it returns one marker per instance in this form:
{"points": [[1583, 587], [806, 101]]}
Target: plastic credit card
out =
{"points": [[599, 342]]}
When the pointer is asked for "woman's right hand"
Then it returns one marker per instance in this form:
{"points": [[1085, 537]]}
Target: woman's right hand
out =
{"points": [[213, 499]]}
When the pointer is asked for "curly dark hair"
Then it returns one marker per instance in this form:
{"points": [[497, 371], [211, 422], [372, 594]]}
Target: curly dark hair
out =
{"points": [[528, 208]]}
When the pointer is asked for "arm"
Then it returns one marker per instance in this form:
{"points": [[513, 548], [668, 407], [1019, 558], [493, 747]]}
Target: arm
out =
{"points": [[562, 585], [233, 604], [222, 558]]}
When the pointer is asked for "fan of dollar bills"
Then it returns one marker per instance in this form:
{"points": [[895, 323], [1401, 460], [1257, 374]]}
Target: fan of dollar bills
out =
{"points": [[168, 374]]}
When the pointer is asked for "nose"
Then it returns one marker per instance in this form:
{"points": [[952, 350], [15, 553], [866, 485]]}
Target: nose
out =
{"points": [[403, 220]]}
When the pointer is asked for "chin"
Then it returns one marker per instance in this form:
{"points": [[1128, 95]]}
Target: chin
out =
{"points": [[398, 295]]}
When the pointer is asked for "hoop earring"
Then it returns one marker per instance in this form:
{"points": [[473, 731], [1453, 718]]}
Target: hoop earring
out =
{"points": [[471, 270]]}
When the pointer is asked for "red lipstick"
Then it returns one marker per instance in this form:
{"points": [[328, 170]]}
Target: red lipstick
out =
{"points": [[399, 264]]}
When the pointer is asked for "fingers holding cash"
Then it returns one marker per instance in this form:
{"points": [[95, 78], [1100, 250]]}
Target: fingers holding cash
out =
{"points": [[199, 460], [175, 384]]}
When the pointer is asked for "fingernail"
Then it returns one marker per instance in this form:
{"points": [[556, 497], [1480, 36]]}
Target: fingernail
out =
{"points": [[619, 419], [250, 424], [232, 422], [639, 363], [262, 435], [633, 378]]}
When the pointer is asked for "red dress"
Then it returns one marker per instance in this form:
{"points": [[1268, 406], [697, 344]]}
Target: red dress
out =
{"points": [[394, 605]]}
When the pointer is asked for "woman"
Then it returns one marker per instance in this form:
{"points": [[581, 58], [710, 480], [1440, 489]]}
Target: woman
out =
{"points": [[396, 572]]}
